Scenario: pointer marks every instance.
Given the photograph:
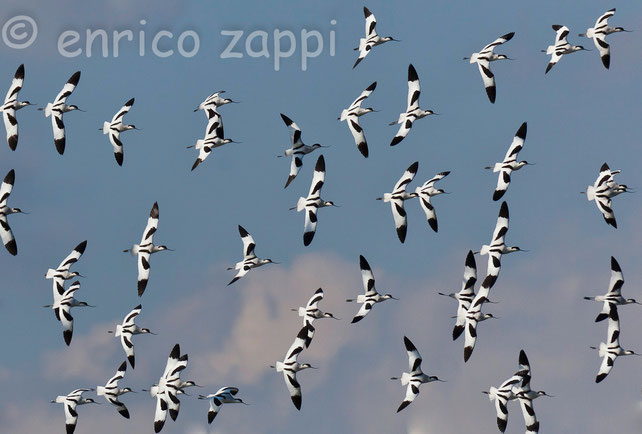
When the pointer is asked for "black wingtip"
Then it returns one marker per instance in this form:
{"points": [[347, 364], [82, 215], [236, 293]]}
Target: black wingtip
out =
{"points": [[286, 119], [130, 102], [363, 263], [307, 238], [521, 132], [457, 331], [363, 148], [508, 36], [600, 377], [296, 400], [468, 351], [320, 166], [396, 140], [210, 416], [176, 351], [366, 12], [132, 361], [412, 73], [74, 78], [12, 247], [408, 344], [615, 266], [20, 72], [290, 178], [13, 142], [606, 60], [10, 178], [401, 233], [498, 194], [233, 280], [356, 319], [158, 425], [403, 405], [433, 224], [142, 284], [80, 248], [548, 68], [470, 260], [601, 317], [119, 158], [196, 163], [67, 335], [503, 210], [124, 413], [523, 360], [491, 91], [372, 87], [242, 231], [60, 145]]}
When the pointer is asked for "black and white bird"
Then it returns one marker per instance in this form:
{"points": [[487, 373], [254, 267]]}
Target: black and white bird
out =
{"points": [[111, 391], [250, 260], [11, 104], [372, 39], [5, 230], [397, 198], [425, 192], [62, 273], [500, 397], [474, 316], [115, 127], [311, 204], [603, 190], [312, 312], [561, 46], [599, 32], [224, 395], [510, 163], [62, 308], [614, 294], [352, 114], [465, 295], [525, 395], [128, 329], [483, 59], [413, 112], [145, 249], [415, 377], [59, 107], [214, 137], [166, 390], [298, 149], [611, 350], [214, 101], [290, 366], [70, 402], [371, 296], [497, 247]]}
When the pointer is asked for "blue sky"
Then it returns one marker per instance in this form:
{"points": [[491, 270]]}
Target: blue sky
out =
{"points": [[579, 116]]}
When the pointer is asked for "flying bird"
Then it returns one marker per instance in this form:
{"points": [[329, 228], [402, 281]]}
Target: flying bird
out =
{"points": [[111, 391], [500, 397], [474, 316], [214, 101], [11, 104], [371, 296], [312, 312], [166, 390], [603, 190], [614, 294], [413, 112], [497, 247], [415, 377], [70, 402], [561, 46], [483, 59], [465, 295], [313, 202], [5, 230], [62, 308], [510, 163], [224, 395], [62, 273], [145, 249], [397, 198], [611, 350], [372, 39], [425, 192], [290, 366], [298, 149], [250, 260], [214, 137], [60, 107], [115, 127], [352, 114], [128, 329], [525, 395], [599, 32]]}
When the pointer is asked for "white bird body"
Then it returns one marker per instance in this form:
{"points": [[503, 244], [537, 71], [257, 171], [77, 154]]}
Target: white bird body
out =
{"points": [[11, 105], [483, 59], [603, 190], [6, 234], [146, 248], [126, 330], [250, 260], [413, 112], [290, 365], [70, 402], [614, 294], [297, 150], [371, 296], [372, 39], [111, 391], [397, 198], [497, 246], [213, 101], [425, 192], [214, 137], [167, 389], [115, 127], [510, 163], [561, 46], [415, 377], [352, 115], [225, 395], [612, 349], [599, 32], [465, 295], [58, 108]]}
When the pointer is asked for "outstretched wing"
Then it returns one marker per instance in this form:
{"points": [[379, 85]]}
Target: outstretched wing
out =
{"points": [[489, 79], [414, 358], [358, 135], [248, 243], [73, 256], [414, 90], [411, 393], [367, 277]]}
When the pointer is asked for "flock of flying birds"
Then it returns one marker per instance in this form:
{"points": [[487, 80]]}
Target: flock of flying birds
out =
{"points": [[469, 311]]}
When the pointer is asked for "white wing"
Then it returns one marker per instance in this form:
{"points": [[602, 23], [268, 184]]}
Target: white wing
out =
{"points": [[367, 277], [414, 89]]}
